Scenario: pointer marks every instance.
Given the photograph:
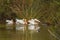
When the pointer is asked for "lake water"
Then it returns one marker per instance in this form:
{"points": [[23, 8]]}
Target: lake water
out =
{"points": [[43, 34]]}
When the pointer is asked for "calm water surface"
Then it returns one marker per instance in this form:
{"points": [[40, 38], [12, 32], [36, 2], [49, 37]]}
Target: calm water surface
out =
{"points": [[43, 34]]}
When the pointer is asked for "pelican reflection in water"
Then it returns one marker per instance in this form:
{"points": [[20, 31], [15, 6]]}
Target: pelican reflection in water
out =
{"points": [[20, 23]]}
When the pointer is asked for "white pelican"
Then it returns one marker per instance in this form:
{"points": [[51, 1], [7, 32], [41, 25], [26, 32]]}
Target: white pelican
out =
{"points": [[20, 21], [33, 21], [9, 24], [9, 21]]}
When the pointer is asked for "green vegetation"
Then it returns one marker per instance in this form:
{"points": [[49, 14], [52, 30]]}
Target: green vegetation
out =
{"points": [[47, 11], [44, 10]]}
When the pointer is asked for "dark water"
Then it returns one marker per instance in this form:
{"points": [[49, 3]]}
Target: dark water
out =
{"points": [[43, 34]]}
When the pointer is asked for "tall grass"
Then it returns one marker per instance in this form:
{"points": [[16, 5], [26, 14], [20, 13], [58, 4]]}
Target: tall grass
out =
{"points": [[47, 11], [26, 9]]}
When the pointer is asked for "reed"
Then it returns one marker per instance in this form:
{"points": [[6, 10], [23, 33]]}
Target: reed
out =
{"points": [[26, 9]]}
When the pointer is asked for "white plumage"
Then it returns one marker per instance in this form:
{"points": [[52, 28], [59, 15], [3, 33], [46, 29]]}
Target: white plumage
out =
{"points": [[33, 21], [9, 21], [21, 22]]}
